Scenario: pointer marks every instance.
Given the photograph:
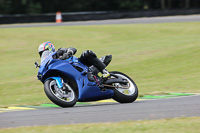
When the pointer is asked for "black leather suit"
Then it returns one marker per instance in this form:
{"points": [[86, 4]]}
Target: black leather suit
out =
{"points": [[88, 57]]}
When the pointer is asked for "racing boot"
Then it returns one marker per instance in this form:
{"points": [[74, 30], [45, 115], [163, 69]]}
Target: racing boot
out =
{"points": [[105, 73]]}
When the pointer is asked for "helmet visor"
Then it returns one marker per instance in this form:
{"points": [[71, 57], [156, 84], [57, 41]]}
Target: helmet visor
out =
{"points": [[44, 55]]}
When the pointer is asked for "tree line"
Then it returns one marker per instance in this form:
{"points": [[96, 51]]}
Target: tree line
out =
{"points": [[52, 6]]}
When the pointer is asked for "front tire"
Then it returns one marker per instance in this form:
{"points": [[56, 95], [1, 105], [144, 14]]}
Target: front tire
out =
{"points": [[125, 95], [59, 96]]}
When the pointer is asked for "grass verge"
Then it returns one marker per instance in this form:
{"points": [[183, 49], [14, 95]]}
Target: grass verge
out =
{"points": [[175, 125]]}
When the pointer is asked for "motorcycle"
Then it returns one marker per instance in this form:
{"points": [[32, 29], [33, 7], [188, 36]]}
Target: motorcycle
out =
{"points": [[69, 81]]}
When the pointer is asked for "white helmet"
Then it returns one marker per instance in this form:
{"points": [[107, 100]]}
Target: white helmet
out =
{"points": [[46, 46]]}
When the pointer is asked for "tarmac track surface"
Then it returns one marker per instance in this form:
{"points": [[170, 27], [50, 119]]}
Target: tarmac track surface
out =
{"points": [[170, 19], [185, 106]]}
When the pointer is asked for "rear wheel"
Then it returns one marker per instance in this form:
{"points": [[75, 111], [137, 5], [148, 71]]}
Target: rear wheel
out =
{"points": [[64, 97], [128, 93]]}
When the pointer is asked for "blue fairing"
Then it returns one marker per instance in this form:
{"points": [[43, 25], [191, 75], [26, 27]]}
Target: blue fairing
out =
{"points": [[88, 91]]}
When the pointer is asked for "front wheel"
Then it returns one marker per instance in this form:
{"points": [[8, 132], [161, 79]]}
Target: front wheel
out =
{"points": [[64, 97], [127, 94]]}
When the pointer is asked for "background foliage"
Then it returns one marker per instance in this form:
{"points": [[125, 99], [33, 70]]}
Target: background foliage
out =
{"points": [[52, 6]]}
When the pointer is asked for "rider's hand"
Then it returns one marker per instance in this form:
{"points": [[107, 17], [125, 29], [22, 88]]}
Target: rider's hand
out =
{"points": [[65, 56], [70, 52]]}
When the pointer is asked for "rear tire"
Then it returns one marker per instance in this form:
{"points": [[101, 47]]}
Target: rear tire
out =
{"points": [[55, 94], [125, 95]]}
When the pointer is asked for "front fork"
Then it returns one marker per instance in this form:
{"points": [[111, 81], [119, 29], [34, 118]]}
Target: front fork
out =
{"points": [[58, 80]]}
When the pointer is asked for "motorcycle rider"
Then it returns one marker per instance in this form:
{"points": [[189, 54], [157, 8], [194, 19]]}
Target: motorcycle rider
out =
{"points": [[88, 57]]}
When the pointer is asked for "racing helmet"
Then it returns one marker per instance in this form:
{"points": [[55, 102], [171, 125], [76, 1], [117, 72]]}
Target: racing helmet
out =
{"points": [[46, 46]]}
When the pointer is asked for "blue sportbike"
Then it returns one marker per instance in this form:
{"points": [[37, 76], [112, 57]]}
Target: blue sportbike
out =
{"points": [[69, 81]]}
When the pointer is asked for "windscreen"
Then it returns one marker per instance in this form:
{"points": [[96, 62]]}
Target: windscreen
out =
{"points": [[45, 54]]}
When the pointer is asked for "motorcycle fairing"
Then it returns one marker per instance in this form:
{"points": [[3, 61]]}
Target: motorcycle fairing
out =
{"points": [[88, 91]]}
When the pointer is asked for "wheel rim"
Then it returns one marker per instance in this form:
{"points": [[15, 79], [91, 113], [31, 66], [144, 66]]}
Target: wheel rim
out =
{"points": [[66, 96], [131, 87]]}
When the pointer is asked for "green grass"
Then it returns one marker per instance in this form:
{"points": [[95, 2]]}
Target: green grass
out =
{"points": [[160, 58], [175, 125]]}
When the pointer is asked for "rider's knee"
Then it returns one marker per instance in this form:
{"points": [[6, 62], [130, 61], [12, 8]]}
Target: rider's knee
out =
{"points": [[88, 54]]}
